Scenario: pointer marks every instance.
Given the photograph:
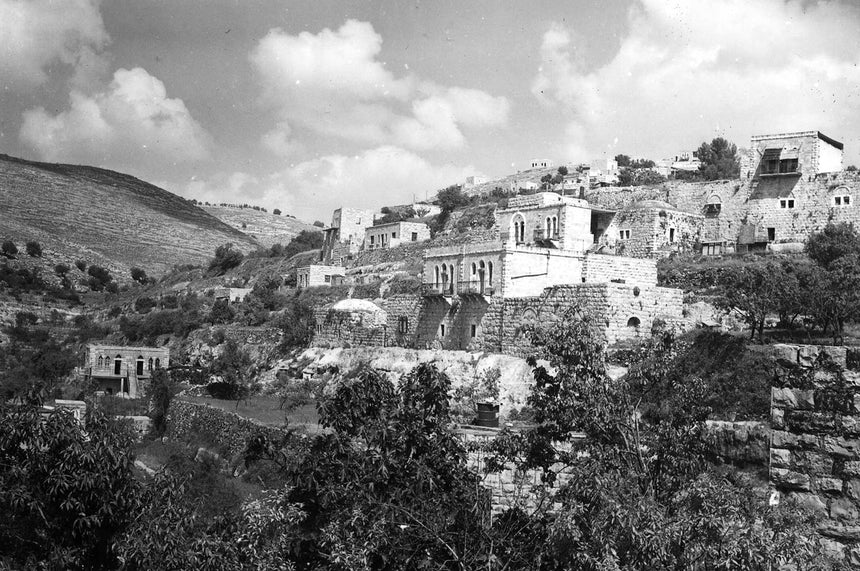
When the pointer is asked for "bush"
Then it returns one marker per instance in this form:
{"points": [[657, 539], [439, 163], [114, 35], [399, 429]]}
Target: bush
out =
{"points": [[99, 278], [81, 265], [226, 258], [221, 312], [139, 275], [34, 249], [9, 249], [143, 304]]}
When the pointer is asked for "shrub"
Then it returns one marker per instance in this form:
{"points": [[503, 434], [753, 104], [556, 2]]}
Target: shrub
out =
{"points": [[81, 265], [9, 249], [221, 312], [143, 304], [226, 258], [34, 249], [138, 275], [99, 278]]}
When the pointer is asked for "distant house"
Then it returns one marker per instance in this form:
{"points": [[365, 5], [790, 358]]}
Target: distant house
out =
{"points": [[542, 164], [393, 234], [319, 275], [124, 370], [800, 154], [233, 294]]}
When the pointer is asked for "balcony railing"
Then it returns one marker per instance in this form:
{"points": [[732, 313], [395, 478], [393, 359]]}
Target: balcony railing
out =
{"points": [[542, 234], [476, 287], [434, 289]]}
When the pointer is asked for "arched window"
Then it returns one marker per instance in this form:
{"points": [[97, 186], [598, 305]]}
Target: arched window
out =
{"points": [[490, 273], [451, 273], [150, 363], [158, 363], [714, 205], [555, 226], [140, 364], [474, 269], [519, 228], [436, 275], [633, 322], [117, 365], [548, 227]]}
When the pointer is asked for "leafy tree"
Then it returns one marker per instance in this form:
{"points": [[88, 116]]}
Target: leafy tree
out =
{"points": [[99, 277], [232, 365], [562, 170], [622, 160], [851, 168], [221, 312], [9, 249], [66, 493], [835, 241], [719, 160], [276, 211], [226, 258], [753, 290], [61, 270], [302, 242], [640, 494], [162, 389], [319, 224], [448, 199], [144, 304], [34, 249], [139, 275], [81, 265]]}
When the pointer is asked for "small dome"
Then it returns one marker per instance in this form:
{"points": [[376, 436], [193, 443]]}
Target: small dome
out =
{"points": [[353, 305], [643, 204]]}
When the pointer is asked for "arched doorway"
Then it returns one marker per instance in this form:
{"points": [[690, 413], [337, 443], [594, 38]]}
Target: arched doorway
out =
{"points": [[140, 364], [117, 365]]}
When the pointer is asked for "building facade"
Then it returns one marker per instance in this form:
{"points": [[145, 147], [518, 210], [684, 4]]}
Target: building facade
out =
{"points": [[319, 275], [123, 370], [345, 236], [393, 234]]}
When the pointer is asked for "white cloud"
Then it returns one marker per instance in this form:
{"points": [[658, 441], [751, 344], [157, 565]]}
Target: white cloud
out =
{"points": [[689, 71], [332, 83], [36, 34], [131, 122], [311, 189]]}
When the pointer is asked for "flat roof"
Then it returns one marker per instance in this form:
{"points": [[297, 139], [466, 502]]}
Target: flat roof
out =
{"points": [[818, 134]]}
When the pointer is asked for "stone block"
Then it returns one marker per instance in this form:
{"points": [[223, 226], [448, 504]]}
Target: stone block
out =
{"points": [[829, 485], [844, 447], [793, 398], [812, 462], [840, 531], [844, 510], [851, 469], [852, 488], [850, 425], [808, 421], [811, 502], [777, 418], [785, 478], [783, 439], [780, 457], [832, 548]]}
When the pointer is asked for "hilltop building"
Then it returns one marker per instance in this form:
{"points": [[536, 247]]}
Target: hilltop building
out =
{"points": [[232, 294], [319, 275], [541, 164], [122, 370], [393, 234], [345, 236]]}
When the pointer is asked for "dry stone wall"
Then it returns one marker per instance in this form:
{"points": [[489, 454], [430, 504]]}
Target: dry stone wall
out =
{"points": [[815, 448]]}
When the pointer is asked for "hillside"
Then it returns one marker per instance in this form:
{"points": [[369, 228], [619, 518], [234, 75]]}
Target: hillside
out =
{"points": [[105, 218], [268, 229]]}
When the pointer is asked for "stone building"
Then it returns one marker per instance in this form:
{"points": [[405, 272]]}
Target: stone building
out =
{"points": [[319, 275], [393, 234], [233, 294], [345, 236], [786, 155], [653, 228], [122, 370]]}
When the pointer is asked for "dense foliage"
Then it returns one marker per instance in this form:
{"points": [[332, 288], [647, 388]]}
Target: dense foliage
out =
{"points": [[226, 258]]}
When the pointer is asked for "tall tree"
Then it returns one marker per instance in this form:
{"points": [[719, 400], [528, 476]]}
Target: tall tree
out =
{"points": [[719, 160]]}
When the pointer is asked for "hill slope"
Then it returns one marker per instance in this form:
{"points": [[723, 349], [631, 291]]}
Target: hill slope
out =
{"points": [[268, 229], [105, 218]]}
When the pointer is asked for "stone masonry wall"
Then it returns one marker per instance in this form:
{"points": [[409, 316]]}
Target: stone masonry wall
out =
{"points": [[634, 271], [815, 447], [225, 430]]}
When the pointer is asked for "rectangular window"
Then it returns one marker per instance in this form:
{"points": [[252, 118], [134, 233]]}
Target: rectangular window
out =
{"points": [[846, 200], [327, 279], [474, 330], [394, 234], [788, 166], [624, 234], [442, 330], [838, 200], [782, 203], [791, 203], [415, 236], [671, 235], [372, 238], [771, 234]]}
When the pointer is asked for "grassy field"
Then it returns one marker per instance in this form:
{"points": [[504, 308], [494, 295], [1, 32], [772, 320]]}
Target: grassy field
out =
{"points": [[265, 410]]}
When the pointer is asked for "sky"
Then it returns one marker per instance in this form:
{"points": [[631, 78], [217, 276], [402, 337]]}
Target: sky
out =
{"points": [[308, 105]]}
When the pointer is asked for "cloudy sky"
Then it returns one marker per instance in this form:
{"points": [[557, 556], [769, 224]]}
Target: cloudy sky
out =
{"points": [[307, 105]]}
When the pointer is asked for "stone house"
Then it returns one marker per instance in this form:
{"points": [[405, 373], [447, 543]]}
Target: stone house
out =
{"points": [[123, 370], [319, 275], [393, 234], [653, 228], [344, 237], [233, 294]]}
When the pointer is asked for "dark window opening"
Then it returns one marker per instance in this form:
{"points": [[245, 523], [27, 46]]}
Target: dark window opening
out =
{"points": [[633, 322], [415, 236], [442, 330], [771, 234], [402, 324], [671, 234], [474, 330]]}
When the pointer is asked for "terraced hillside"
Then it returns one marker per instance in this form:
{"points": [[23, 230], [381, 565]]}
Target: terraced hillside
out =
{"points": [[105, 218], [265, 227]]}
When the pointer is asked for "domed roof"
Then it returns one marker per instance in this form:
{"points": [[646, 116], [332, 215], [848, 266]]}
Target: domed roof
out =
{"points": [[352, 305], [643, 204]]}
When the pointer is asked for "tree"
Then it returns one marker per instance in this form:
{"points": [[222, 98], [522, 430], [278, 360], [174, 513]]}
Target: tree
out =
{"points": [[622, 160], [835, 241], [34, 249], [139, 275], [221, 312], [226, 258], [754, 290], [302, 242], [81, 265], [562, 170], [719, 160], [100, 278], [319, 224], [232, 365], [640, 493], [9, 249], [276, 211]]}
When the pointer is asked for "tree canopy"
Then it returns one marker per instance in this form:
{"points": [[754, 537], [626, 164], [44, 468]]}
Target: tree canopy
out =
{"points": [[719, 160]]}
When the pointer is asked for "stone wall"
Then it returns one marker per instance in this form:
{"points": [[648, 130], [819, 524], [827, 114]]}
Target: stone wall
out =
{"points": [[653, 231], [225, 430], [815, 448], [607, 268]]}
